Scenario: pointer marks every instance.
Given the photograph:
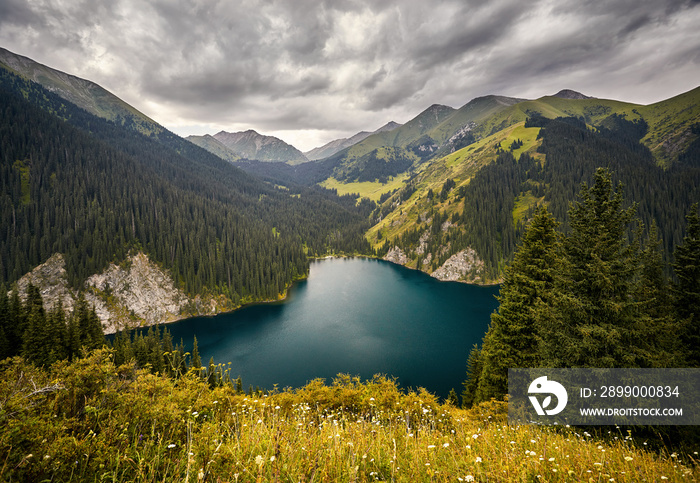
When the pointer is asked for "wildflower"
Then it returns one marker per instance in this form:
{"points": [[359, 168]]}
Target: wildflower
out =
{"points": [[272, 458], [469, 478], [259, 460], [431, 446], [446, 445], [628, 458], [478, 459], [171, 446], [551, 459], [664, 478]]}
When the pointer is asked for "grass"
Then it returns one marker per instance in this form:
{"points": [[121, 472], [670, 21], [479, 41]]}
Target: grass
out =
{"points": [[92, 421], [523, 203], [366, 189]]}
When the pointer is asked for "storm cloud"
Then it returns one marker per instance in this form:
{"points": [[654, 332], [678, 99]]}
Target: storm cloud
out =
{"points": [[311, 71]]}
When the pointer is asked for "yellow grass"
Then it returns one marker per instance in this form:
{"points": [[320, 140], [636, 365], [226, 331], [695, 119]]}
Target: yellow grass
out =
{"points": [[96, 422]]}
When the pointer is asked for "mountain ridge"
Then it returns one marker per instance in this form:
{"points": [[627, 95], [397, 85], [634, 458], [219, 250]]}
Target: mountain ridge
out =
{"points": [[332, 147], [252, 145], [82, 92]]}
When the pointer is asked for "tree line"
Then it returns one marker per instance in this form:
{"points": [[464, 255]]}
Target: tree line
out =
{"points": [[44, 337]]}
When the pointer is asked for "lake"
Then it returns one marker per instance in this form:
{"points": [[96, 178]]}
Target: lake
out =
{"points": [[357, 316]]}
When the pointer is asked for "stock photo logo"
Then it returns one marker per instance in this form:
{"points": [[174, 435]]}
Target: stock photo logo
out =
{"points": [[543, 386]]}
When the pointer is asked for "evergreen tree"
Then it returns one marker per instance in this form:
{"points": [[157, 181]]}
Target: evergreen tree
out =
{"points": [[687, 288], [5, 323], [656, 310], [17, 323], [36, 343], [473, 375], [58, 333], [196, 359], [595, 320], [512, 339]]}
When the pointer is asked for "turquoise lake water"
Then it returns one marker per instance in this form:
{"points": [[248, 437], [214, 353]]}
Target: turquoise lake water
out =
{"points": [[356, 316]]}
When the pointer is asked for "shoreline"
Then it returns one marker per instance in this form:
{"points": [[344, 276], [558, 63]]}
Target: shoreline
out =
{"points": [[285, 296]]}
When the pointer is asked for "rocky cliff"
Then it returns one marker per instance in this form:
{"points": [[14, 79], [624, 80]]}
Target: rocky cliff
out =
{"points": [[135, 293], [51, 279], [463, 266]]}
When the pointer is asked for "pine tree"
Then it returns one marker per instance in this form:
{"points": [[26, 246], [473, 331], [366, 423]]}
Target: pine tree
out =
{"points": [[512, 339], [196, 359], [656, 309], [473, 375], [58, 333], [36, 343], [595, 320], [5, 324], [687, 288]]}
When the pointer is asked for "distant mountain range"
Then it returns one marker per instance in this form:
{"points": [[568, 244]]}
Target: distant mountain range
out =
{"points": [[329, 149]]}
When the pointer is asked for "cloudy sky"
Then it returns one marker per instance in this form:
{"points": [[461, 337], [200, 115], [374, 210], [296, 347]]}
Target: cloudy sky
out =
{"points": [[312, 71]]}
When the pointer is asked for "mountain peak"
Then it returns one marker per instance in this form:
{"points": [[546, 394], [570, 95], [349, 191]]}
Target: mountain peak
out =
{"points": [[252, 145], [570, 94]]}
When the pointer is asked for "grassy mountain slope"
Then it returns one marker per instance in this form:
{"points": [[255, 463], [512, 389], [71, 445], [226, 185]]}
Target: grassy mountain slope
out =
{"points": [[83, 93], [390, 153], [329, 149], [624, 136], [214, 146], [670, 124]]}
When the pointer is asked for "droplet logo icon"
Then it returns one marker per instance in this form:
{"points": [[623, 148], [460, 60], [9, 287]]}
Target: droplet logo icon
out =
{"points": [[542, 386]]}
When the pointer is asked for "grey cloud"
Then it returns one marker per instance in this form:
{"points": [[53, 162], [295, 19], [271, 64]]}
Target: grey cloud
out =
{"points": [[280, 64]]}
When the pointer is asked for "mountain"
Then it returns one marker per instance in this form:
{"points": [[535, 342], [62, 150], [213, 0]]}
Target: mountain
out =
{"points": [[480, 197], [101, 195], [83, 93], [569, 94], [214, 146], [333, 147], [251, 145]]}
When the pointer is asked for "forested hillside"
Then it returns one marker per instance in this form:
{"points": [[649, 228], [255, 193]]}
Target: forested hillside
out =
{"points": [[94, 190], [489, 200]]}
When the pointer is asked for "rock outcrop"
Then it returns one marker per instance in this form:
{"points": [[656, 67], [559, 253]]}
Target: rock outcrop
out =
{"points": [[52, 280], [463, 266], [135, 291], [396, 255]]}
